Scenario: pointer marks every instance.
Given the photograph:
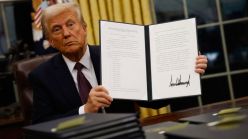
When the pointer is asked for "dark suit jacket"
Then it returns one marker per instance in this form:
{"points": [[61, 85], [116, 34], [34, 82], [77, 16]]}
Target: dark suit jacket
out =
{"points": [[55, 94]]}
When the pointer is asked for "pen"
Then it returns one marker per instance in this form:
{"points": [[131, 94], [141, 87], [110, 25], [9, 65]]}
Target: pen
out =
{"points": [[69, 124], [228, 120], [227, 111]]}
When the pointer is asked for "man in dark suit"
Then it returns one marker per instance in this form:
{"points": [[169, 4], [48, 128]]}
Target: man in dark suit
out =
{"points": [[57, 92]]}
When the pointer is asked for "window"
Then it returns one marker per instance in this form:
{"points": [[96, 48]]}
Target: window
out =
{"points": [[15, 32], [15, 24], [222, 37]]}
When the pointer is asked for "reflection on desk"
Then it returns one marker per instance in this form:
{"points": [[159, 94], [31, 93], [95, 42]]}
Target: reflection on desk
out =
{"points": [[215, 107], [201, 122]]}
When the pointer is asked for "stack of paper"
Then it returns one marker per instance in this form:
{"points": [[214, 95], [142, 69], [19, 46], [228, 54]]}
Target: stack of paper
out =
{"points": [[90, 125]]}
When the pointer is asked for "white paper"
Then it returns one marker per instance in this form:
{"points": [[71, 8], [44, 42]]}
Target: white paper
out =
{"points": [[123, 60], [173, 50]]}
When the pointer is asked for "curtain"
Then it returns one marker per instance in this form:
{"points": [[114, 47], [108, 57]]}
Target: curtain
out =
{"points": [[128, 11]]}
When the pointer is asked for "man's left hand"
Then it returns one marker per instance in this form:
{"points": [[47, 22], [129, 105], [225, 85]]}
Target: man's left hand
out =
{"points": [[201, 64]]}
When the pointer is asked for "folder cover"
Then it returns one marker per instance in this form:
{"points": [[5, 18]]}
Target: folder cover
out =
{"points": [[229, 131], [210, 117], [94, 125]]}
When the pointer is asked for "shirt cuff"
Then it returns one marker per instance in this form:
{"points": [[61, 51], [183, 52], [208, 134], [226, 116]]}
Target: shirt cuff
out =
{"points": [[81, 110]]}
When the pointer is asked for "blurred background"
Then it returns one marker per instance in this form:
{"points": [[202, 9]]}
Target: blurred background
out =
{"points": [[222, 36]]}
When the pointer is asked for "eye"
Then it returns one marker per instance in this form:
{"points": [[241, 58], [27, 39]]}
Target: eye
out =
{"points": [[56, 29], [70, 24]]}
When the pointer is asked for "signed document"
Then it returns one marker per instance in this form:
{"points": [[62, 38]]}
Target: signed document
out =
{"points": [[149, 62]]}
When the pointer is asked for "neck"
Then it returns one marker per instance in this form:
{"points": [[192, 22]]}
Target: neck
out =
{"points": [[76, 56]]}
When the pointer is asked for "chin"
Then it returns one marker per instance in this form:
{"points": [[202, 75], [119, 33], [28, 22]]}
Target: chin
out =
{"points": [[73, 49]]}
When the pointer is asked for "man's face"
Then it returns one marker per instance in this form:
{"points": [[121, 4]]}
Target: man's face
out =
{"points": [[66, 33]]}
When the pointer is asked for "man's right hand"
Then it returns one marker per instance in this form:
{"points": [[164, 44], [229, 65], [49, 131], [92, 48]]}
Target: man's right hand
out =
{"points": [[98, 98]]}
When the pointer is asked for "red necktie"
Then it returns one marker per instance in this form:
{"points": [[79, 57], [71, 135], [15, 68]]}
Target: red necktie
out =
{"points": [[83, 84]]}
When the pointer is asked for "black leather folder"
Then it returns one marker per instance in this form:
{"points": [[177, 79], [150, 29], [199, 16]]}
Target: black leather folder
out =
{"points": [[193, 131], [156, 131], [209, 117], [95, 125], [223, 126]]}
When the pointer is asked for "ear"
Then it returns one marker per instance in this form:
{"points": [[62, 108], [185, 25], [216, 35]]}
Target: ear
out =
{"points": [[85, 29], [84, 25]]}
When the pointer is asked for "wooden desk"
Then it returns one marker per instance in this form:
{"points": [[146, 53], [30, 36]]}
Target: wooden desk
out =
{"points": [[174, 116]]}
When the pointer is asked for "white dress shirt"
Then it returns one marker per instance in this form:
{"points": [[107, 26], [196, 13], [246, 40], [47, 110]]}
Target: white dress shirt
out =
{"points": [[88, 72]]}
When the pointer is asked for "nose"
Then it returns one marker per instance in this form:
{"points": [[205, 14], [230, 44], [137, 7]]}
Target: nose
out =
{"points": [[66, 32]]}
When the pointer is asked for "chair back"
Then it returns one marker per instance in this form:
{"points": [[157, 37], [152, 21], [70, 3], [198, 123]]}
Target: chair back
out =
{"points": [[21, 70]]}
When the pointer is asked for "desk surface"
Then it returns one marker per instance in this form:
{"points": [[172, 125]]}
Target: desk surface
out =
{"points": [[215, 107]]}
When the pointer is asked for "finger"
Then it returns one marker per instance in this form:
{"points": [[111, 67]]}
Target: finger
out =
{"points": [[99, 103], [101, 88], [104, 105], [108, 97], [200, 71], [103, 101], [201, 61], [201, 66], [101, 94]]}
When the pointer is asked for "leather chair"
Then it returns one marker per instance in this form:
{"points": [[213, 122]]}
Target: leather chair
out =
{"points": [[21, 69]]}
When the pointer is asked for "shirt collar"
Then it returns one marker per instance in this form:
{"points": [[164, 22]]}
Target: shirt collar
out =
{"points": [[85, 60]]}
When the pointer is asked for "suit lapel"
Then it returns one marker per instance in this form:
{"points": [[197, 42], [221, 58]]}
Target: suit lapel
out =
{"points": [[96, 59], [65, 81], [64, 78]]}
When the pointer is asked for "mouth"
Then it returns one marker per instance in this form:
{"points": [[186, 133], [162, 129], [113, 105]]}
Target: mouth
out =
{"points": [[70, 43]]}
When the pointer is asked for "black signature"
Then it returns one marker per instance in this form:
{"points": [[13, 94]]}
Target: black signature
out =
{"points": [[179, 82]]}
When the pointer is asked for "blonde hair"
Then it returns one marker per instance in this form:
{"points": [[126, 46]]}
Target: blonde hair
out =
{"points": [[56, 9]]}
